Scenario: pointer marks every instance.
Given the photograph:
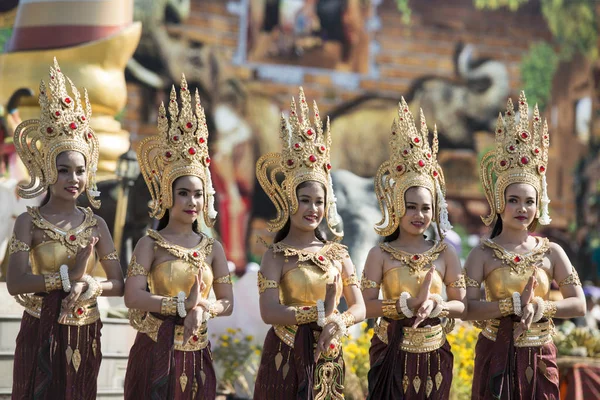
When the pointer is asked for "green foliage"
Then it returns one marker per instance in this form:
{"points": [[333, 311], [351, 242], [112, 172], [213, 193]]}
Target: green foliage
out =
{"points": [[512, 5], [537, 70], [5, 34], [574, 26], [404, 9]]}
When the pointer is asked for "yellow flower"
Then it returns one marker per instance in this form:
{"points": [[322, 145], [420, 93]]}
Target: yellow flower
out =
{"points": [[231, 331], [224, 338], [224, 344], [236, 340], [249, 338]]}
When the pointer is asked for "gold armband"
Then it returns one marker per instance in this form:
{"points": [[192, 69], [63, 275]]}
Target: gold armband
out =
{"points": [[460, 283], [305, 314], [389, 309], [572, 279], [506, 306], [549, 309], [168, 306], [52, 282], [112, 256], [136, 269], [348, 318], [15, 245], [367, 283], [264, 283], [351, 280], [224, 279], [470, 282]]}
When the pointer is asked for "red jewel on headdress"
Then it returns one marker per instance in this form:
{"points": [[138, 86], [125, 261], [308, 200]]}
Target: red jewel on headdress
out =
{"points": [[201, 140], [393, 132], [511, 148], [57, 113], [317, 115], [322, 148], [524, 135], [405, 152], [536, 150], [89, 135], [328, 166], [421, 163], [80, 311], [309, 132], [189, 125], [72, 238], [545, 136], [73, 125], [176, 138], [321, 258], [312, 158], [82, 118], [536, 118], [435, 173], [416, 257], [195, 254], [195, 338], [305, 308], [290, 162], [192, 151], [49, 130], [517, 259], [399, 168], [508, 113], [503, 163], [406, 110], [297, 145], [522, 103], [207, 160], [183, 89], [524, 160], [416, 140], [332, 346], [428, 155], [542, 168], [168, 154], [499, 130]]}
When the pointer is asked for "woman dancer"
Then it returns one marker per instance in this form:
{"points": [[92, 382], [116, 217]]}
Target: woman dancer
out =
{"points": [[515, 356], [173, 269], [409, 355], [303, 276], [53, 250]]}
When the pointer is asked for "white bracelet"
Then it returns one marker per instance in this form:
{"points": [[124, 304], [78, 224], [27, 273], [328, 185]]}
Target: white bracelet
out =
{"points": [[321, 321], [181, 304], [404, 296], [341, 325], [64, 277], [517, 304], [210, 312], [541, 307], [94, 289], [439, 305]]}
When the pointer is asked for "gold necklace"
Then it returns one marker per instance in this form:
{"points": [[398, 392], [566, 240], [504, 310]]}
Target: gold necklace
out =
{"points": [[194, 256], [415, 261], [519, 263]]}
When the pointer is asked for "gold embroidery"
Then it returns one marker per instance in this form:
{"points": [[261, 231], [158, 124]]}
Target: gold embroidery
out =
{"points": [[224, 279], [390, 310], [264, 283], [416, 262], [52, 282], [195, 256], [83, 312], [305, 314], [135, 268], [113, 256], [367, 283], [71, 239], [549, 309], [147, 323], [572, 279], [348, 318], [323, 258], [351, 280], [329, 376], [459, 283], [470, 282], [519, 263], [15, 245], [506, 306], [168, 306]]}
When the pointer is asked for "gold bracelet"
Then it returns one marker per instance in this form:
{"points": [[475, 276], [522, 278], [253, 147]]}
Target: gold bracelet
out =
{"points": [[15, 245], [389, 309], [351, 280], [224, 279], [306, 314], [549, 309], [52, 282], [212, 309], [168, 306], [264, 283], [506, 306], [348, 318]]}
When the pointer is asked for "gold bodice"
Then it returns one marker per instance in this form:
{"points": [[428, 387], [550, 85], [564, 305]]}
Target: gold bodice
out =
{"points": [[62, 248], [47, 258], [304, 284], [172, 276], [409, 276], [515, 271], [402, 279]]}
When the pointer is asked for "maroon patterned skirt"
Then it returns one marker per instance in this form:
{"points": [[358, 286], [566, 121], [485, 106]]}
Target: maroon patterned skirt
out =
{"points": [[155, 369], [40, 367], [388, 363], [500, 370], [291, 373]]}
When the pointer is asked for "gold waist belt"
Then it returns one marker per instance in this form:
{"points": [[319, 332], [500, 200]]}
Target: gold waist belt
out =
{"points": [[415, 340], [82, 313], [539, 333], [287, 334], [147, 323]]}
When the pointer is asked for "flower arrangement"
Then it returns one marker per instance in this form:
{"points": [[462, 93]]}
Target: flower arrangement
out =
{"points": [[577, 341], [356, 357], [236, 362], [462, 341]]}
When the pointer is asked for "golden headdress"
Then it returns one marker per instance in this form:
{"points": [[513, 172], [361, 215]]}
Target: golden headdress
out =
{"points": [[520, 156], [412, 163], [63, 126], [179, 149], [304, 157]]}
